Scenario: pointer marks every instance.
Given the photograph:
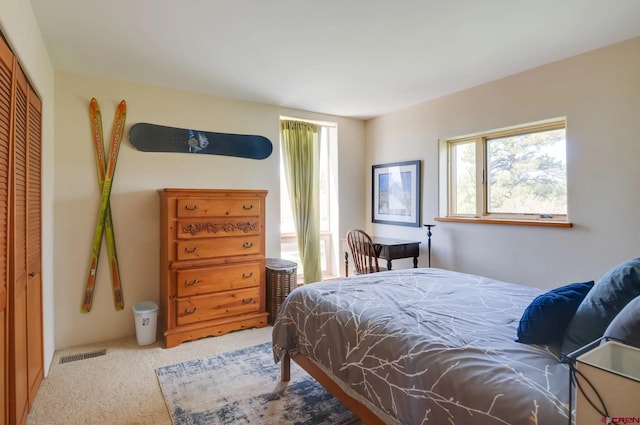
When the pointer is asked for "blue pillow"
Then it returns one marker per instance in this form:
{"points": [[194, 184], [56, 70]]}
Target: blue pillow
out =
{"points": [[626, 325], [545, 319], [607, 298]]}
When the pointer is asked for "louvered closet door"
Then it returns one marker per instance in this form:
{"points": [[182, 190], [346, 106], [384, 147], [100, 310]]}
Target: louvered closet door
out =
{"points": [[6, 64], [34, 263], [18, 389]]}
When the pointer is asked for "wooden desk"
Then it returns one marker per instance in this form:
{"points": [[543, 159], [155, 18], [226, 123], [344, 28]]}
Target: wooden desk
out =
{"points": [[392, 249]]}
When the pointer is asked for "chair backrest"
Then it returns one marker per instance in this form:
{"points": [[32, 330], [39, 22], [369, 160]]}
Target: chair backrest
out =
{"points": [[365, 258]]}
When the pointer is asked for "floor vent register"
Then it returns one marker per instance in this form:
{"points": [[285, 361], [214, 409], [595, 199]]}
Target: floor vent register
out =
{"points": [[82, 356]]}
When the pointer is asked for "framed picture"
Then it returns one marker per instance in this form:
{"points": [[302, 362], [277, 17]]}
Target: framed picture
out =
{"points": [[395, 197]]}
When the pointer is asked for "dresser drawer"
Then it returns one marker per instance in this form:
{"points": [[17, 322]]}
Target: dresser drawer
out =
{"points": [[216, 279], [214, 306], [214, 228], [220, 247], [236, 207]]}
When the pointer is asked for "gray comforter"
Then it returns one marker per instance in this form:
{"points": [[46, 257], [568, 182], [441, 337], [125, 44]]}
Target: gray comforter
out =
{"points": [[427, 346]]}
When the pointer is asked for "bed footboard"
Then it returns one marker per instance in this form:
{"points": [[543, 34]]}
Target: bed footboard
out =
{"points": [[359, 409]]}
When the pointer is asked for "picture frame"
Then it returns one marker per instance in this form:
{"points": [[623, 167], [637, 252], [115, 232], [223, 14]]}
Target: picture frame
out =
{"points": [[395, 193]]}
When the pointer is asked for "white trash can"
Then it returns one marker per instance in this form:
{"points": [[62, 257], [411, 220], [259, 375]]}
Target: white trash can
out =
{"points": [[146, 316]]}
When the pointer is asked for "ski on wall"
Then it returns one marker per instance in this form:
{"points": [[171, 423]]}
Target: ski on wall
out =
{"points": [[104, 223]]}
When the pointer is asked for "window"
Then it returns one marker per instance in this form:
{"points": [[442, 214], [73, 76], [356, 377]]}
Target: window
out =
{"points": [[514, 174], [329, 238]]}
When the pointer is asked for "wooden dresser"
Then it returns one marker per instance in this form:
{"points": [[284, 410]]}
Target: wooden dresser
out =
{"points": [[212, 262]]}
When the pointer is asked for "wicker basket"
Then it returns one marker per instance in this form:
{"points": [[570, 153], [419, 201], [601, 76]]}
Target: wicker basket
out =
{"points": [[281, 280]]}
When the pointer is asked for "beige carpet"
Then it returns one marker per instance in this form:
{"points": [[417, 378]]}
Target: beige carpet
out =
{"points": [[121, 387]]}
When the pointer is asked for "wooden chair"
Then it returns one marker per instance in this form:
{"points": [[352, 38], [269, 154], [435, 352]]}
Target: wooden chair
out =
{"points": [[365, 258]]}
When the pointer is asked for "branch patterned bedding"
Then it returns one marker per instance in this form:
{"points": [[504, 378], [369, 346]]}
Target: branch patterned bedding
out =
{"points": [[427, 346]]}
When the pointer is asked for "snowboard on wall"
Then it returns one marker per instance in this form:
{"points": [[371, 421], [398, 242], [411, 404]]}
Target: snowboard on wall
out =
{"points": [[159, 138]]}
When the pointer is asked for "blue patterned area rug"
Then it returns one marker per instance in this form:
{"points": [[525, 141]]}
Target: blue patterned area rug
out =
{"points": [[244, 387]]}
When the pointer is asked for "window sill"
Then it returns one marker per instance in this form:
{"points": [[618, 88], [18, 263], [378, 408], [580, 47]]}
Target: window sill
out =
{"points": [[543, 223]]}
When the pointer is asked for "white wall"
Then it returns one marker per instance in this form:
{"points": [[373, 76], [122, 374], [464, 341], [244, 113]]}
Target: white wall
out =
{"points": [[18, 24], [599, 93], [139, 175]]}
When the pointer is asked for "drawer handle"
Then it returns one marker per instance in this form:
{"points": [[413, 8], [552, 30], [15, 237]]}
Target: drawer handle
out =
{"points": [[190, 250], [192, 282], [247, 276], [248, 300], [247, 245], [191, 207], [250, 207], [187, 311]]}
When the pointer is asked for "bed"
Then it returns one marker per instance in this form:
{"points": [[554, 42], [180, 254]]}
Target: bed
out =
{"points": [[423, 346]]}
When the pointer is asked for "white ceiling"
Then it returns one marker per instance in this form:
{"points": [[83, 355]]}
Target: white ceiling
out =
{"points": [[357, 58]]}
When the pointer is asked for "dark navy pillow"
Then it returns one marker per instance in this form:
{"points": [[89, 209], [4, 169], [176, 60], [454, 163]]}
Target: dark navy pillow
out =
{"points": [[545, 319]]}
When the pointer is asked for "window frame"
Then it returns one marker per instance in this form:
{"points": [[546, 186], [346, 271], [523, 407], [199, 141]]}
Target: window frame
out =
{"points": [[481, 214]]}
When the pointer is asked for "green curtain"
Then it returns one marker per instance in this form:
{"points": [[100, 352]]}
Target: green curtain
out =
{"points": [[301, 158]]}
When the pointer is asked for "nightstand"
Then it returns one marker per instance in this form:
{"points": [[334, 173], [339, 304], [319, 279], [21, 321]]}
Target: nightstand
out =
{"points": [[607, 384]]}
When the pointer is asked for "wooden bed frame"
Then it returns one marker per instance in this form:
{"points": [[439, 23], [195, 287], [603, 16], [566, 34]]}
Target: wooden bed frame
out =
{"points": [[358, 409]]}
